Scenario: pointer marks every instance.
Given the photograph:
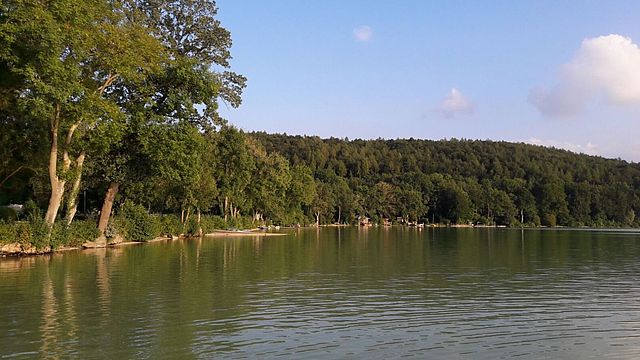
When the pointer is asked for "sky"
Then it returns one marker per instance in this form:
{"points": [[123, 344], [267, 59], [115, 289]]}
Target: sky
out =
{"points": [[552, 73]]}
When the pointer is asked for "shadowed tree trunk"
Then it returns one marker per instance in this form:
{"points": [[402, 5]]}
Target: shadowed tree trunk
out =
{"points": [[105, 213], [72, 199]]}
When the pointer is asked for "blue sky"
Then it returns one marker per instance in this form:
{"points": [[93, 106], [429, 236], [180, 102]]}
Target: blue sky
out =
{"points": [[555, 73]]}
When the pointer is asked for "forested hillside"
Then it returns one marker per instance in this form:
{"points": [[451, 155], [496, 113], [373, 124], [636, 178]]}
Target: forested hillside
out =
{"points": [[462, 181]]}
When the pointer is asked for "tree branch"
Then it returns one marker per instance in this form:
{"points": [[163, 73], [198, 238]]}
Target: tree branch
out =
{"points": [[10, 175]]}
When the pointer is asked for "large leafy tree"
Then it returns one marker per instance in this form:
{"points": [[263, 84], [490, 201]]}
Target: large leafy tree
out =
{"points": [[66, 56], [183, 93]]}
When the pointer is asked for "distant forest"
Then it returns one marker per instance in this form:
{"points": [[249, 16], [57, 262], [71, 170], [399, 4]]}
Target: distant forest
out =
{"points": [[462, 181]]}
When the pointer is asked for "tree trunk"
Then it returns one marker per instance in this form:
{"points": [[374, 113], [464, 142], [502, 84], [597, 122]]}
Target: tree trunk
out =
{"points": [[339, 213], [105, 213], [226, 204], [72, 200], [200, 232], [317, 214], [57, 190], [57, 186]]}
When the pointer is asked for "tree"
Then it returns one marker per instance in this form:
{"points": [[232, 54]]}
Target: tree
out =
{"points": [[67, 55], [301, 192], [234, 170], [187, 87], [324, 202], [552, 202]]}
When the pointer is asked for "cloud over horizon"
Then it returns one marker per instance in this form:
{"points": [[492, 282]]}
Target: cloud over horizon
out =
{"points": [[455, 104], [605, 67], [363, 33], [589, 148]]}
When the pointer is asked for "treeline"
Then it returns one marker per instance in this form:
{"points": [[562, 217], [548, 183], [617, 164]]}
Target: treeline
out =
{"points": [[462, 181], [110, 107]]}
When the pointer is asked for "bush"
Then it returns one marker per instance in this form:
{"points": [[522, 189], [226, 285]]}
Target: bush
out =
{"points": [[7, 232], [30, 210], [7, 214], [135, 224], [35, 232], [209, 223], [39, 233], [549, 219], [170, 225], [22, 232], [192, 226], [82, 231], [60, 235], [240, 223]]}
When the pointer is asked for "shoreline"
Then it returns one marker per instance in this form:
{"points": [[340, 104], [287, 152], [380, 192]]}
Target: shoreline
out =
{"points": [[241, 234], [16, 249]]}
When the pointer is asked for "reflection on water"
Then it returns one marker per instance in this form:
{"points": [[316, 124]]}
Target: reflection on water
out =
{"points": [[332, 293]]}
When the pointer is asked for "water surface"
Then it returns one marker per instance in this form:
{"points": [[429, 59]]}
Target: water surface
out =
{"points": [[353, 292]]}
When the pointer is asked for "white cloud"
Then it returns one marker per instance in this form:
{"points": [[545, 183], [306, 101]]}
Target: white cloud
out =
{"points": [[455, 103], [363, 33], [589, 148], [606, 67]]}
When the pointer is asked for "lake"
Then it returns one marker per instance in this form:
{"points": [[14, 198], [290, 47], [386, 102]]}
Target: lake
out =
{"points": [[349, 292]]}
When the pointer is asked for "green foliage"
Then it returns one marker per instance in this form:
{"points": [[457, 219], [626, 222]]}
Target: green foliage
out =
{"points": [[458, 181], [7, 232], [79, 232], [8, 214], [34, 232], [140, 82], [31, 210], [22, 231], [135, 224], [241, 222], [549, 219], [170, 225], [192, 227]]}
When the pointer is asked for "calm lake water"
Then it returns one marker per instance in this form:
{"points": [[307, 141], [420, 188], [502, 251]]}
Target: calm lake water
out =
{"points": [[371, 293]]}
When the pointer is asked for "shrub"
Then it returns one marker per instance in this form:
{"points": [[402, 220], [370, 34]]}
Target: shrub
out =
{"points": [[82, 231], [170, 225], [30, 210], [7, 232], [549, 219], [7, 214], [22, 232], [39, 233], [240, 222], [209, 223], [192, 227], [35, 232], [59, 235], [135, 224]]}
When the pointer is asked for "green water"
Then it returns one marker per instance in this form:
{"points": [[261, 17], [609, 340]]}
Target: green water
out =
{"points": [[370, 293]]}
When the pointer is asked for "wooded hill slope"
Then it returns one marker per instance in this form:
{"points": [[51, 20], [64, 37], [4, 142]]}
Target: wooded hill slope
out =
{"points": [[462, 181]]}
